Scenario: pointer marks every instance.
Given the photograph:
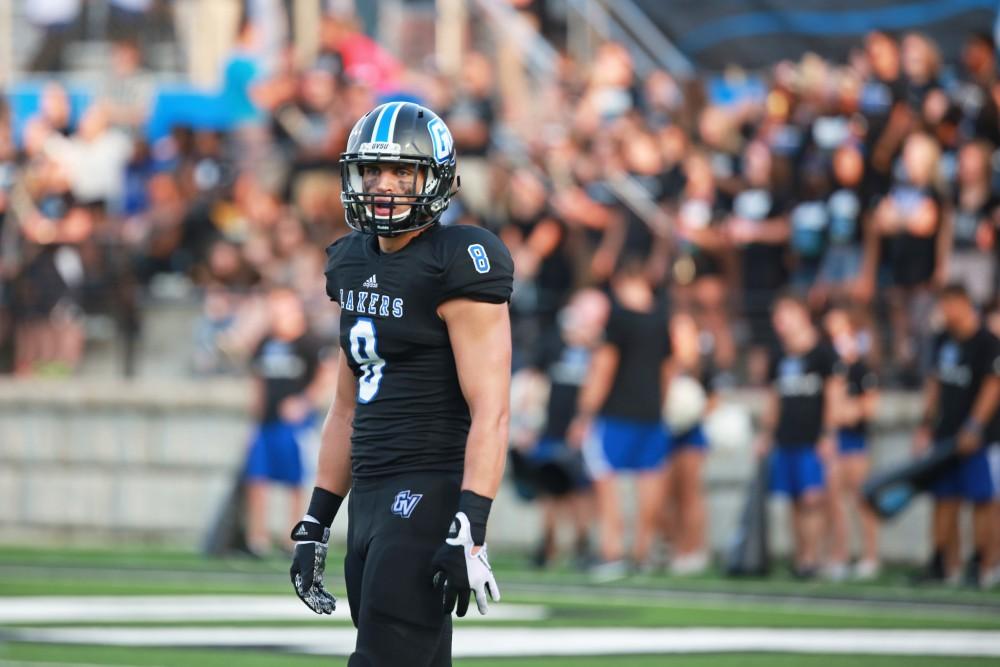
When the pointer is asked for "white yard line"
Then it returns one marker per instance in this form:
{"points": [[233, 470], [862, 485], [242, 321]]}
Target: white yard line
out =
{"points": [[513, 642], [184, 608]]}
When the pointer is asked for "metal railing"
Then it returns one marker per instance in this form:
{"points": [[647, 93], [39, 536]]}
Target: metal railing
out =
{"points": [[623, 21], [540, 61]]}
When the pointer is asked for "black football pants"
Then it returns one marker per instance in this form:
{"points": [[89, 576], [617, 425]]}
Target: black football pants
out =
{"points": [[392, 535]]}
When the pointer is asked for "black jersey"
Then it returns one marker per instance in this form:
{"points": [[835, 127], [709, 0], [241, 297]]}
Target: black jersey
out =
{"points": [[287, 368], [800, 381], [960, 367], [859, 379], [411, 414], [642, 342]]}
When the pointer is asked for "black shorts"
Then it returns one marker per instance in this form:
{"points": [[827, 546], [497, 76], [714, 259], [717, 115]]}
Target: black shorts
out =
{"points": [[394, 526]]}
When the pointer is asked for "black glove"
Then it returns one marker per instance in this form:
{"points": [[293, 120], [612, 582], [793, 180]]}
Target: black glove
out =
{"points": [[308, 563], [457, 572]]}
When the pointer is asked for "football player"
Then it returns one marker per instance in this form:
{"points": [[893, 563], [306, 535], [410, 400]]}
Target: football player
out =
{"points": [[418, 425]]}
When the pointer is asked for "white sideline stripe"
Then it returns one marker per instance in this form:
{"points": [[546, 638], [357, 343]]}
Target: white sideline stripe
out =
{"points": [[514, 642], [165, 608]]}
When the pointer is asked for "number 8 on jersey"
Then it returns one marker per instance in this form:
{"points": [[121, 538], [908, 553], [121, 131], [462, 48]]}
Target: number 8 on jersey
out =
{"points": [[366, 355]]}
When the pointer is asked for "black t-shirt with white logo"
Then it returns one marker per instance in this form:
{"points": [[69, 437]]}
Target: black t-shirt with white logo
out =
{"points": [[912, 257], [860, 379], [968, 220], [411, 414], [566, 367], [810, 221], [800, 381], [642, 342], [287, 368], [764, 265], [960, 366], [845, 208]]}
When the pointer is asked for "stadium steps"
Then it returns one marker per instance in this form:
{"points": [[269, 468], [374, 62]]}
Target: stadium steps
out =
{"points": [[165, 344]]}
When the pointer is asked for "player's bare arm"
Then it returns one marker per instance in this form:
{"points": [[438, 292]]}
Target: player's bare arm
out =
{"points": [[481, 341], [333, 480], [334, 468]]}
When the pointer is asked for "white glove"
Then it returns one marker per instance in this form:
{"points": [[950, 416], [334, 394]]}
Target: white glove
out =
{"points": [[458, 571]]}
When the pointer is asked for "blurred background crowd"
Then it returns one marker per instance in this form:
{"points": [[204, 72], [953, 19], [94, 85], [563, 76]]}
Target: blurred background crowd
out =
{"points": [[867, 180], [186, 152]]}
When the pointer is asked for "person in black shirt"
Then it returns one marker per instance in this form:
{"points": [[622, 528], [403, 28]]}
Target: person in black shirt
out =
{"points": [[961, 398], [854, 406], [418, 426], [564, 359], [684, 487], [992, 579], [921, 64], [972, 217], [798, 428], [286, 368], [543, 267], [910, 221], [471, 117], [759, 229], [974, 90], [848, 237], [883, 105], [618, 420], [810, 222], [702, 265]]}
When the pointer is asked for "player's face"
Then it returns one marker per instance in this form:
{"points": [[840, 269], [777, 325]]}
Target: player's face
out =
{"points": [[391, 180]]}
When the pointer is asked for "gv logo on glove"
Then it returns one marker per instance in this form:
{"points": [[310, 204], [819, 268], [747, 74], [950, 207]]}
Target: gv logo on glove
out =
{"points": [[405, 503]]}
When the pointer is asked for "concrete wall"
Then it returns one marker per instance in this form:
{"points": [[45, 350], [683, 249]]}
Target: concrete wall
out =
{"points": [[91, 460]]}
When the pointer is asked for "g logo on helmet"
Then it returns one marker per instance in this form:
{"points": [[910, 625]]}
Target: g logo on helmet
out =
{"points": [[444, 145]]}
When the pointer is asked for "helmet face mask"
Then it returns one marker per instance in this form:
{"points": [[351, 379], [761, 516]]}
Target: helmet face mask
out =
{"points": [[393, 135]]}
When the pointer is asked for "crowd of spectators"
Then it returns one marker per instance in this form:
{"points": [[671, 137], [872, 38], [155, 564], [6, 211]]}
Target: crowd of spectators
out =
{"points": [[869, 181]]}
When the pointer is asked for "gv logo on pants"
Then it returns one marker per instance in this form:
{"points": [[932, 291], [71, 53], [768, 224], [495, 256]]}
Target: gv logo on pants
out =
{"points": [[405, 503]]}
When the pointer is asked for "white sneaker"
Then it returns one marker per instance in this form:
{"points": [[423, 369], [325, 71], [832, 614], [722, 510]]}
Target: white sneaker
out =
{"points": [[836, 572], [990, 579], [690, 564], [867, 570], [608, 571]]}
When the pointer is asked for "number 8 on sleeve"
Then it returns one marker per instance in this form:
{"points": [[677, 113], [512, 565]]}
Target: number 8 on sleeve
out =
{"points": [[479, 258]]}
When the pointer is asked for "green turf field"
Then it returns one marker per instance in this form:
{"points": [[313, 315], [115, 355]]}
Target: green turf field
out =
{"points": [[567, 599]]}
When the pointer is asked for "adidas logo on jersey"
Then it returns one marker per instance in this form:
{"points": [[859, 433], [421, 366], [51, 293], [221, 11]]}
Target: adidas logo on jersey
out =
{"points": [[371, 282]]}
